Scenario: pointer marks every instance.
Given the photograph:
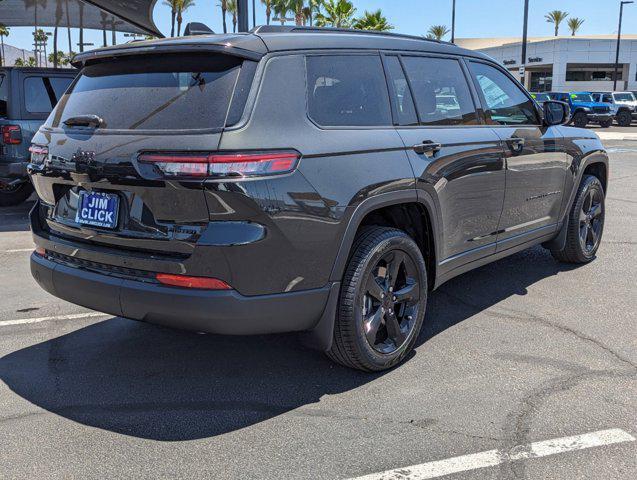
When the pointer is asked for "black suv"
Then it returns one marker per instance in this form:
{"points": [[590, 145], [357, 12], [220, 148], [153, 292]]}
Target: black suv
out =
{"points": [[298, 179]]}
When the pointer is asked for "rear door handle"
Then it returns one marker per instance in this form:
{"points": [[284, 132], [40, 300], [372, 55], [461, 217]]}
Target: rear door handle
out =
{"points": [[427, 147]]}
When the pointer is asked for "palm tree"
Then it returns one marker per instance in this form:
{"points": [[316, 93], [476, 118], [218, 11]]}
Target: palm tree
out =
{"points": [[62, 58], [373, 21], [232, 9], [41, 38], [173, 14], [437, 32], [224, 8], [281, 8], [556, 17], [182, 6], [4, 32], [29, 63], [574, 24], [338, 13], [268, 10], [298, 7]]}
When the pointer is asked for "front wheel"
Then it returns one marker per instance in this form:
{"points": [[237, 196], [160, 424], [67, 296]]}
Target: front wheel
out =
{"points": [[15, 195], [382, 301], [580, 119], [624, 119], [585, 223]]}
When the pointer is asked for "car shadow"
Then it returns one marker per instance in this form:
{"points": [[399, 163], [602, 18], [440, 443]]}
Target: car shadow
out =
{"points": [[162, 384], [16, 219]]}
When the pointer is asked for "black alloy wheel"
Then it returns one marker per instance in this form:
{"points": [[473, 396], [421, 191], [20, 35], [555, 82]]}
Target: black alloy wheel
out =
{"points": [[382, 301], [390, 302], [585, 223], [591, 221]]}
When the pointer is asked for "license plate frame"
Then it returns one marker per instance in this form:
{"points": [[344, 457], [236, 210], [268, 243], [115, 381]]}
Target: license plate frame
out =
{"points": [[97, 209]]}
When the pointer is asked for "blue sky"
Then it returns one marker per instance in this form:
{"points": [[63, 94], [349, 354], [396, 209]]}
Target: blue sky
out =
{"points": [[475, 18]]}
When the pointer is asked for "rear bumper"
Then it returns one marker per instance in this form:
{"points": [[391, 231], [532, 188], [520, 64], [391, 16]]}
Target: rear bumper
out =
{"points": [[224, 312]]}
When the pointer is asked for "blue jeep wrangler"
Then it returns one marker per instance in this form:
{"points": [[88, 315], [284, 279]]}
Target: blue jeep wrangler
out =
{"points": [[584, 109], [27, 96]]}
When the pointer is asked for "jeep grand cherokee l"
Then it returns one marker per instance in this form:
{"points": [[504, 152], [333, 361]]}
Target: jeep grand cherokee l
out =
{"points": [[298, 179]]}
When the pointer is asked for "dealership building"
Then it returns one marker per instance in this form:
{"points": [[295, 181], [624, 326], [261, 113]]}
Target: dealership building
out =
{"points": [[581, 63]]}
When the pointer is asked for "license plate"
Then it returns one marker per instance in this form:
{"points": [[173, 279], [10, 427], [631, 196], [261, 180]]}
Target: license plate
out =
{"points": [[98, 209]]}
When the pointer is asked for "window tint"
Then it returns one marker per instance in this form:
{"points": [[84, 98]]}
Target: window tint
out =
{"points": [[41, 94], [4, 96], [400, 92], [347, 90], [505, 103], [441, 91], [176, 93]]}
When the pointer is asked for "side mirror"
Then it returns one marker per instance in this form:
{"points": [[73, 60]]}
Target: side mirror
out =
{"points": [[556, 113]]}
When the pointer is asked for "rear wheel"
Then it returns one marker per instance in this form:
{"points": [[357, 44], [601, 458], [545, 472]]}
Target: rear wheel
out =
{"points": [[382, 301], [580, 119], [585, 223], [624, 118], [15, 195], [606, 123]]}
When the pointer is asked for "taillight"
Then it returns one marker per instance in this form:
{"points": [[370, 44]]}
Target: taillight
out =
{"points": [[200, 165], [38, 154], [11, 135], [206, 283]]}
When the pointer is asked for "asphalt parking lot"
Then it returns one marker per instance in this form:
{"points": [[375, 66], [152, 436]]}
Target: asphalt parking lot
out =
{"points": [[513, 354]]}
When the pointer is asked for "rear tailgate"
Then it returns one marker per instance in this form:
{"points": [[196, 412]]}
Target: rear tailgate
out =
{"points": [[144, 104]]}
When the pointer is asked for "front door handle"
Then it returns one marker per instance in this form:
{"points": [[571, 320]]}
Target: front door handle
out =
{"points": [[427, 147]]}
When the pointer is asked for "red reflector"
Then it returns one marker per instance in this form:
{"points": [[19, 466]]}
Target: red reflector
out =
{"points": [[192, 282], [221, 164], [40, 251], [11, 135]]}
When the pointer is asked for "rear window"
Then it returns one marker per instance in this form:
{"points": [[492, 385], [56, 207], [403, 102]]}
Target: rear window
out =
{"points": [[347, 90], [41, 94], [4, 96], [154, 93]]}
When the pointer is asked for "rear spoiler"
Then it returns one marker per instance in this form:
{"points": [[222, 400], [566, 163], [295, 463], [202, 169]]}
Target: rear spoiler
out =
{"points": [[151, 48]]}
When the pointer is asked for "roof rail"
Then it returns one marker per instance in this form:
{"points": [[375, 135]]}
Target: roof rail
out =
{"points": [[304, 29]]}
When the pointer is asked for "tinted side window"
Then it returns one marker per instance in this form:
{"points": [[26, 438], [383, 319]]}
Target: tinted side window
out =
{"points": [[4, 96], [400, 92], [39, 96], [505, 103], [347, 90], [607, 98], [441, 91]]}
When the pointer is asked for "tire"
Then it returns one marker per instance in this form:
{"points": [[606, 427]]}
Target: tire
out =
{"points": [[585, 223], [624, 119], [365, 336], [606, 123], [10, 197], [580, 119]]}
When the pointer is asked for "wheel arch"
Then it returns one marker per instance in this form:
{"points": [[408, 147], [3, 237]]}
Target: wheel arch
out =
{"points": [[399, 210]]}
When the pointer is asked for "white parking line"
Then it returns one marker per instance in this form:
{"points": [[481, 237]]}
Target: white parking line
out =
{"points": [[492, 458], [75, 316], [18, 250]]}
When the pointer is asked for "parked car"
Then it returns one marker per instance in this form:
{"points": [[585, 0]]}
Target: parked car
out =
{"points": [[624, 103], [584, 109], [27, 96], [540, 97], [298, 179]]}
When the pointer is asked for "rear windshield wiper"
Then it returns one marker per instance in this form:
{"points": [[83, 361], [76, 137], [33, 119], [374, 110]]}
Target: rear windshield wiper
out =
{"points": [[84, 121]]}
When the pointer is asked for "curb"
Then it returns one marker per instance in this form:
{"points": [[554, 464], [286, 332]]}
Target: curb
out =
{"points": [[616, 136]]}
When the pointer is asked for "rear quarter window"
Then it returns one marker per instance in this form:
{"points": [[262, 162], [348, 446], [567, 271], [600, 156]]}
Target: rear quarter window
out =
{"points": [[347, 90], [41, 93], [154, 93]]}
